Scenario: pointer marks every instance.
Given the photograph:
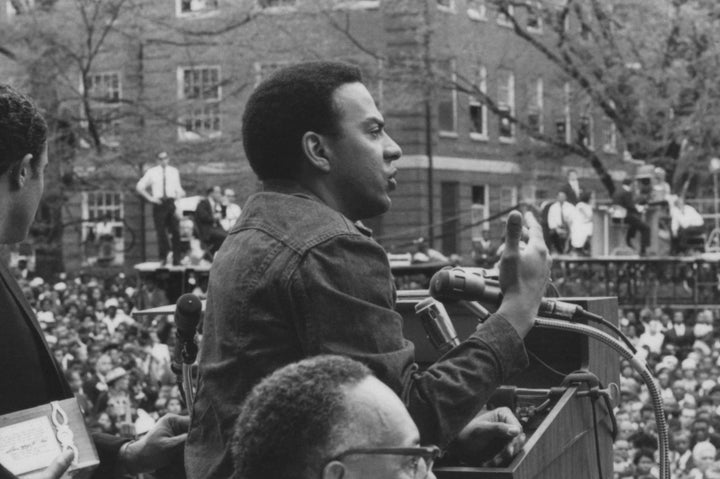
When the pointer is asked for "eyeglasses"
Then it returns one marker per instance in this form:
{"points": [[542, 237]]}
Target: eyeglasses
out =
{"points": [[423, 457]]}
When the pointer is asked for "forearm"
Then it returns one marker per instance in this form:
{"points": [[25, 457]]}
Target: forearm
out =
{"points": [[446, 396], [145, 195]]}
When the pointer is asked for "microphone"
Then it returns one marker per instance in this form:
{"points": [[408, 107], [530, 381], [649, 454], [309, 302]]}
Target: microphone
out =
{"points": [[437, 324], [459, 284], [188, 309]]}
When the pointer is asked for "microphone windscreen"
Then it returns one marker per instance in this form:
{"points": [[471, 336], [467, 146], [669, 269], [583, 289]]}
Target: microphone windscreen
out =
{"points": [[187, 315], [452, 284]]}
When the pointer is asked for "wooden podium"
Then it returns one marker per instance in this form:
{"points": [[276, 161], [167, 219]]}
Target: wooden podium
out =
{"points": [[563, 444]]}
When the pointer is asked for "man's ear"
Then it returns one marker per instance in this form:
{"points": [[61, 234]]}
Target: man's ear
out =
{"points": [[315, 151], [21, 172], [334, 470]]}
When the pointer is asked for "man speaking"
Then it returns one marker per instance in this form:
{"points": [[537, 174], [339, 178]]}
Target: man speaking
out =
{"points": [[299, 276]]}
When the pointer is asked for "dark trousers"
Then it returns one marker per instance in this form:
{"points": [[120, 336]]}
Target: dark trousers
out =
{"points": [[214, 238], [635, 224], [166, 223], [558, 241]]}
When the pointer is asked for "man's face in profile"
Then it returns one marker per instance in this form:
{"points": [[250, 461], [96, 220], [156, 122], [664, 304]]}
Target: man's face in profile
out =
{"points": [[361, 156]]}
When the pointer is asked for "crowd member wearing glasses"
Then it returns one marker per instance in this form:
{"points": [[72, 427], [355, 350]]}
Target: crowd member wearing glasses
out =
{"points": [[327, 417], [299, 275]]}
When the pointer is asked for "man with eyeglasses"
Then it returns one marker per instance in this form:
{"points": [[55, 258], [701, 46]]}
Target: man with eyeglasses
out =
{"points": [[327, 417]]}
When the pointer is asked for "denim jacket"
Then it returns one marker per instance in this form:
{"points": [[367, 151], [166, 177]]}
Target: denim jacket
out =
{"points": [[295, 278]]}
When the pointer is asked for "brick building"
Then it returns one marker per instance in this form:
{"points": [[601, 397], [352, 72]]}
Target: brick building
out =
{"points": [[173, 75]]}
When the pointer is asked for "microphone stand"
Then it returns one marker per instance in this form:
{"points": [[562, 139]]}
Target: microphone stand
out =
{"points": [[189, 350]]}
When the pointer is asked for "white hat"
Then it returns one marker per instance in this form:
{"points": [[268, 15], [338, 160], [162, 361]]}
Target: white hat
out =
{"points": [[37, 281], [60, 286], [688, 364], [111, 302]]}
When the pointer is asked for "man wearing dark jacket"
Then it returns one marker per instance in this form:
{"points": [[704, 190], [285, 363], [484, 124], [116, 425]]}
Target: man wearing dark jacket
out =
{"points": [[207, 218], [30, 377], [624, 197]]}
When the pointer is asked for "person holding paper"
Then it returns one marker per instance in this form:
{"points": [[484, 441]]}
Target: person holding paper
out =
{"points": [[30, 377]]}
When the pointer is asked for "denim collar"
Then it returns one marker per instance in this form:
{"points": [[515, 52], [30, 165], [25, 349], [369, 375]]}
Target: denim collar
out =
{"points": [[292, 187]]}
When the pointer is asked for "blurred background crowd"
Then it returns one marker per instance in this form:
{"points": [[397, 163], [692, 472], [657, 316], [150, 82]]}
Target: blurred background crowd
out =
{"points": [[682, 348], [120, 368]]}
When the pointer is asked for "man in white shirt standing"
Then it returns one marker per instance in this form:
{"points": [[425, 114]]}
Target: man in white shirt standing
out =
{"points": [[161, 186]]}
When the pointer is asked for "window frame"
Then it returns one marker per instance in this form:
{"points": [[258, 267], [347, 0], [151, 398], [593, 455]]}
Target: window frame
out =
{"points": [[89, 221], [194, 109], [449, 8], [609, 133], [510, 85], [472, 101], [588, 115], [537, 103], [196, 13], [277, 9], [484, 208], [567, 116], [504, 20], [477, 13], [454, 101], [258, 66], [530, 5], [109, 135], [357, 5]]}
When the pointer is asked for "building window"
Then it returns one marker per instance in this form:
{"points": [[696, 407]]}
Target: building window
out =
{"points": [[103, 230], [508, 197], [506, 104], [14, 8], [104, 92], [505, 20], [609, 136], [477, 10], [357, 5], [477, 110], [199, 89], [277, 5], [446, 5], [563, 127], [534, 17], [264, 69], [535, 108], [104, 87], [562, 20], [195, 7], [586, 127], [447, 101], [479, 211]]}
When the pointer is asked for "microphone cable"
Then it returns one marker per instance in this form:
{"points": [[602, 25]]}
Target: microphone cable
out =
{"points": [[582, 313]]}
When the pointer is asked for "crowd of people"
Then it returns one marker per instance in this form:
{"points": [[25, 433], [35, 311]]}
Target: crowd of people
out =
{"points": [[118, 367], [682, 349]]}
